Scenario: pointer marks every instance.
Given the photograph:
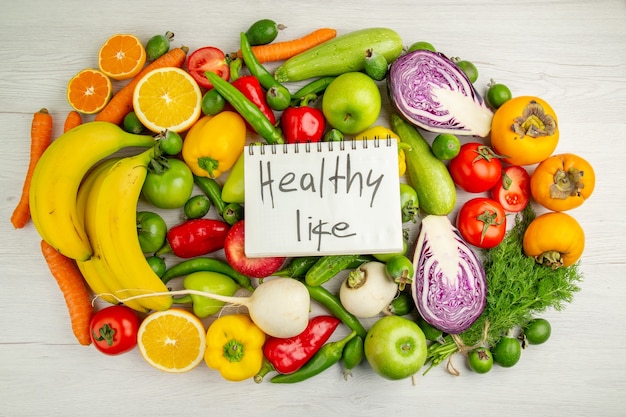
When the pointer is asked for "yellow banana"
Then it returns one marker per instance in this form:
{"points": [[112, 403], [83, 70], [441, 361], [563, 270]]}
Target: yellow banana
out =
{"points": [[57, 177], [116, 231], [96, 271]]}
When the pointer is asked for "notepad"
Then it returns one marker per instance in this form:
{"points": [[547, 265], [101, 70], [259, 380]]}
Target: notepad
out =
{"points": [[324, 198]]}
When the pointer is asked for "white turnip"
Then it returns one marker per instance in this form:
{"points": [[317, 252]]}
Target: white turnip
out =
{"points": [[368, 290]]}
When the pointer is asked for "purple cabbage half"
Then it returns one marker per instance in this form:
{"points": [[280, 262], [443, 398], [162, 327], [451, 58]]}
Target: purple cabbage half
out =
{"points": [[432, 92], [450, 287]]}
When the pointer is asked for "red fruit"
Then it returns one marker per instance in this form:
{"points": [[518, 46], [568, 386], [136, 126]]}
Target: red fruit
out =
{"points": [[236, 257]]}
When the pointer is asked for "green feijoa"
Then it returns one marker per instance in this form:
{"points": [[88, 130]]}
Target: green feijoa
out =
{"points": [[197, 206], [263, 32], [132, 124], [469, 69], [537, 331], [480, 360], [376, 65], [420, 46], [158, 45], [212, 103], [157, 264], [507, 351], [497, 94], [431, 332]]}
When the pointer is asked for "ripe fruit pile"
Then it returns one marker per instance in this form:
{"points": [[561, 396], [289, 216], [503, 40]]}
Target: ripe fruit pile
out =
{"points": [[86, 206]]}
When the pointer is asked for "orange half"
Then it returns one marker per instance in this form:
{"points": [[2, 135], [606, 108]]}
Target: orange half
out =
{"points": [[89, 91], [172, 340], [122, 56]]}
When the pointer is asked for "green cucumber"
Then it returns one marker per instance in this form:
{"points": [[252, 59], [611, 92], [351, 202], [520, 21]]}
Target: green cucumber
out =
{"points": [[327, 267], [345, 53], [427, 174]]}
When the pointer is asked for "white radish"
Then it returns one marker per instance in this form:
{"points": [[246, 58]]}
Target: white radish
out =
{"points": [[368, 290], [279, 306]]}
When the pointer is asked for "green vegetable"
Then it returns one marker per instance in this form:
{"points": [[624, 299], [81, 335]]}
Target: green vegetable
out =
{"points": [[402, 305], [247, 109], [278, 96], [327, 267], [230, 212], [375, 65], [341, 54], [431, 332], [297, 267], [316, 87], [518, 288], [327, 356], [428, 175], [197, 206], [324, 297], [189, 266], [263, 31], [233, 190], [211, 282], [233, 212], [157, 264], [353, 354]]}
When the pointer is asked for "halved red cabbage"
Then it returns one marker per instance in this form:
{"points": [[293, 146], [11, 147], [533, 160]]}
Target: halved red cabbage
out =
{"points": [[450, 286], [432, 92]]}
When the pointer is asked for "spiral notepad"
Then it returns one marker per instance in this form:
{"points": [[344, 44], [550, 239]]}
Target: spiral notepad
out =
{"points": [[325, 198]]}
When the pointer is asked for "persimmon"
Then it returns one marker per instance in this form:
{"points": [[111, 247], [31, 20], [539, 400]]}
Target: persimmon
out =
{"points": [[554, 239], [525, 130], [562, 182]]}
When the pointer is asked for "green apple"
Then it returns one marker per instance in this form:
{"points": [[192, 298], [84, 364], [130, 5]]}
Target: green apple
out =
{"points": [[395, 347], [351, 103]]}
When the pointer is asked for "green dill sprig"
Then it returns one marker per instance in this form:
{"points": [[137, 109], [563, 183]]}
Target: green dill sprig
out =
{"points": [[518, 288]]}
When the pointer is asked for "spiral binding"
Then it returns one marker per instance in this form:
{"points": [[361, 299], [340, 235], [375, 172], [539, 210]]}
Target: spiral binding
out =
{"points": [[318, 146]]}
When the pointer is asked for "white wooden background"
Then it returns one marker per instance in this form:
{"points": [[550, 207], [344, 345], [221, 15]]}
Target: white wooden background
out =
{"points": [[570, 52]]}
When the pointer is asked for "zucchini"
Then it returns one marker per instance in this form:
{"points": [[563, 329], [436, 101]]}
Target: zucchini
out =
{"points": [[327, 267], [427, 174], [345, 53]]}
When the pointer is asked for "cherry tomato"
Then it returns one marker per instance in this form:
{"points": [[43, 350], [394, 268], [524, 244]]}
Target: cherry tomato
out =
{"points": [[482, 222], [171, 188], [151, 230], [114, 329], [476, 169], [513, 189], [480, 360], [206, 59]]}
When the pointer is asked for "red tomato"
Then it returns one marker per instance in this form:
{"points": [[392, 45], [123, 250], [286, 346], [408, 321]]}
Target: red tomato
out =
{"points": [[206, 59], [114, 329], [513, 189], [482, 222], [476, 169]]}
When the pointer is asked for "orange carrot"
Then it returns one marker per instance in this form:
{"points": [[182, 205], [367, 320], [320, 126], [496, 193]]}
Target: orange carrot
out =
{"points": [[122, 102], [72, 120], [40, 139], [74, 289], [280, 51]]}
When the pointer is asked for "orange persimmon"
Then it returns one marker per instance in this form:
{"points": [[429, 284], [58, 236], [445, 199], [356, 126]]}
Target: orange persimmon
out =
{"points": [[554, 239], [525, 130], [562, 182]]}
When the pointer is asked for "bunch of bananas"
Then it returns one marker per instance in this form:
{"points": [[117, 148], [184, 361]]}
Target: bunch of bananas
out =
{"points": [[84, 204]]}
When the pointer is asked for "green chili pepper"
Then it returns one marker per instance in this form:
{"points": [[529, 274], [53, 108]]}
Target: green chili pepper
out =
{"points": [[333, 304], [316, 87], [353, 354], [247, 109], [297, 267], [192, 265], [326, 357], [213, 190], [279, 98], [402, 305]]}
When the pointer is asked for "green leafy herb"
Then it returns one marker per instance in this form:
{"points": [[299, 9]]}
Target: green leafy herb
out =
{"points": [[518, 288]]}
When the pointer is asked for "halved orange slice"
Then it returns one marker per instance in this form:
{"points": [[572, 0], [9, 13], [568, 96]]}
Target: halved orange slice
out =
{"points": [[172, 340], [89, 91], [167, 99], [122, 56]]}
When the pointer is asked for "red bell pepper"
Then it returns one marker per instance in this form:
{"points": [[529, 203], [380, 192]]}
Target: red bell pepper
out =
{"points": [[287, 355], [195, 237], [303, 123], [251, 88]]}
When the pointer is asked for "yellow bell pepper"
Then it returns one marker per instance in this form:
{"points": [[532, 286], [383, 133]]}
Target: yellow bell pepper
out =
{"points": [[234, 347], [213, 144], [381, 132]]}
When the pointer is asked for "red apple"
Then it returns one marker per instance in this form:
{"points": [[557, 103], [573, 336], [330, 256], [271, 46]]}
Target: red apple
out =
{"points": [[252, 267]]}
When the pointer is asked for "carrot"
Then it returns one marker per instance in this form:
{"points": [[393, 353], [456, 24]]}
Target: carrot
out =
{"points": [[280, 51], [72, 120], [72, 285], [40, 139], [122, 102]]}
